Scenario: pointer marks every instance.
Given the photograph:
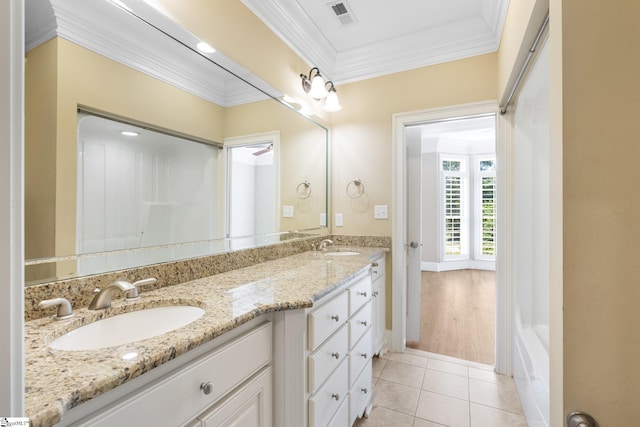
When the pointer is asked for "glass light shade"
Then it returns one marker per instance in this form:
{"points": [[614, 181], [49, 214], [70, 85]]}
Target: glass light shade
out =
{"points": [[318, 90], [332, 104]]}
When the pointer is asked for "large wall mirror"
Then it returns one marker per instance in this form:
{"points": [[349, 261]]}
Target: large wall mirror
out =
{"points": [[141, 149]]}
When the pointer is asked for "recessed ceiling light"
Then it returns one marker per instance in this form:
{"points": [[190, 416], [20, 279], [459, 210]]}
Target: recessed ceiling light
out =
{"points": [[129, 133], [205, 47]]}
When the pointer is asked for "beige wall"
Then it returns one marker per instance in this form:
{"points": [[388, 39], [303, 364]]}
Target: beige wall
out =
{"points": [[362, 146], [303, 156], [600, 106]]}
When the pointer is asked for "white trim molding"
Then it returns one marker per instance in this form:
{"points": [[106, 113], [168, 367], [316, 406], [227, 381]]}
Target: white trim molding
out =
{"points": [[504, 282], [11, 208], [475, 35]]}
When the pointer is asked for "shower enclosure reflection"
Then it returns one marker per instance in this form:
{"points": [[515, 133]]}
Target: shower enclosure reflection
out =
{"points": [[140, 188]]}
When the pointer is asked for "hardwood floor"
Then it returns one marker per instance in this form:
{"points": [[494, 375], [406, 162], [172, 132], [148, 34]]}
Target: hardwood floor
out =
{"points": [[458, 315]]}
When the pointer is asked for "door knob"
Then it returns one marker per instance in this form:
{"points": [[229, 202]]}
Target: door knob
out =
{"points": [[580, 419], [414, 245]]}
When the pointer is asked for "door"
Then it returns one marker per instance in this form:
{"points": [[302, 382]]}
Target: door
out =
{"points": [[414, 230]]}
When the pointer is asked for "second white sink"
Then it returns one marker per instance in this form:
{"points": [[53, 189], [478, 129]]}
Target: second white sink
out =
{"points": [[127, 328]]}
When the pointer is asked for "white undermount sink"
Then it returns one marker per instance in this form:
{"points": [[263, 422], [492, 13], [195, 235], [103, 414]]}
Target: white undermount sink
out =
{"points": [[127, 327], [341, 253]]}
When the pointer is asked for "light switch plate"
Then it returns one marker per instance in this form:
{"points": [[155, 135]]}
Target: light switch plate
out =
{"points": [[338, 220], [380, 212], [323, 220], [287, 211]]}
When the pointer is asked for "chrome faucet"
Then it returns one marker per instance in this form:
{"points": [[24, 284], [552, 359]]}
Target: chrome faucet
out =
{"points": [[103, 298], [64, 307], [133, 294], [324, 243]]}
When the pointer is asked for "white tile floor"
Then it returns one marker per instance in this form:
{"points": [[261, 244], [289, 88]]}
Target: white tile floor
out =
{"points": [[420, 389]]}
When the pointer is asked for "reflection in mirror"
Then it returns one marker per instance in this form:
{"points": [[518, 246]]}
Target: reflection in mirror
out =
{"points": [[252, 185], [97, 57]]}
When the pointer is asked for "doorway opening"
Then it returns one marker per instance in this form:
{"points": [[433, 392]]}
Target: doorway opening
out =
{"points": [[252, 179], [457, 228], [406, 260]]}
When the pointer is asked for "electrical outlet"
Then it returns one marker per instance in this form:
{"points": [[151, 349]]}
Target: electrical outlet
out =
{"points": [[287, 211], [380, 212], [338, 220]]}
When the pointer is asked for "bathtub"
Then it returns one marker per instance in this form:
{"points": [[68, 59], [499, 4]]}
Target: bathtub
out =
{"points": [[531, 370]]}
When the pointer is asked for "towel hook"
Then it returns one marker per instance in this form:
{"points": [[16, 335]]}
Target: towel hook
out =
{"points": [[355, 189], [303, 190]]}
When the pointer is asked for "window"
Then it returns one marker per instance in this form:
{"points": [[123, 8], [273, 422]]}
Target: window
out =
{"points": [[486, 208], [454, 178]]}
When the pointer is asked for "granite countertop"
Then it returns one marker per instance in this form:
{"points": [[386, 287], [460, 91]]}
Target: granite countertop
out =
{"points": [[57, 380]]}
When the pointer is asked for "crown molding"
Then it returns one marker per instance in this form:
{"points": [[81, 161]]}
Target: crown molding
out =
{"points": [[455, 41], [294, 27], [462, 39], [107, 30]]}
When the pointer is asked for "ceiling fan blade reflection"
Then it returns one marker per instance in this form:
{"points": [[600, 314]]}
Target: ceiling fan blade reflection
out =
{"points": [[264, 150]]}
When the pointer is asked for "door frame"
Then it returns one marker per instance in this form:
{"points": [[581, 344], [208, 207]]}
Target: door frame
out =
{"points": [[504, 282], [272, 137]]}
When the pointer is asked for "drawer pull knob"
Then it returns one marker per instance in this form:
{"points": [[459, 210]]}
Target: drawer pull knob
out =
{"points": [[206, 388], [364, 323], [374, 264], [364, 355], [336, 355], [375, 294], [336, 317], [364, 390], [335, 396], [364, 294]]}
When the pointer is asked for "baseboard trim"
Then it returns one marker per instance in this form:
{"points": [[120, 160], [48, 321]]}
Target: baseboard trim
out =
{"points": [[457, 265]]}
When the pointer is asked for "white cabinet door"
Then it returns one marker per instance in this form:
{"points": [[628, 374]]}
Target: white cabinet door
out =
{"points": [[250, 406], [378, 315]]}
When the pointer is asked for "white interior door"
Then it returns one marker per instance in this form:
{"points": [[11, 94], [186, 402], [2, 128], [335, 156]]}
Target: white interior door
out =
{"points": [[414, 229]]}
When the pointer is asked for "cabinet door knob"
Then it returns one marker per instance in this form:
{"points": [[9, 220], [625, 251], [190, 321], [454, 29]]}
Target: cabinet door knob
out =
{"points": [[206, 388], [374, 264], [364, 390], [336, 355], [364, 294], [336, 396], [364, 355], [336, 317], [364, 323], [375, 294]]}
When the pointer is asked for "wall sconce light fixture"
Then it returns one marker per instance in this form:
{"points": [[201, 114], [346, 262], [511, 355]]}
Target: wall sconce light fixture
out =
{"points": [[317, 88]]}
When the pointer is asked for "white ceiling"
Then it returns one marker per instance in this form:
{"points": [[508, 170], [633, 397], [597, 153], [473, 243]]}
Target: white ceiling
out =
{"points": [[386, 37]]}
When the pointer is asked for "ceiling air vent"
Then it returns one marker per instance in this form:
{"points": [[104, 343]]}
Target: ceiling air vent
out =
{"points": [[343, 12]]}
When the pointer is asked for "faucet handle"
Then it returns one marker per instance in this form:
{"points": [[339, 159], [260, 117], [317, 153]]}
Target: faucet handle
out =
{"points": [[64, 307], [133, 294]]}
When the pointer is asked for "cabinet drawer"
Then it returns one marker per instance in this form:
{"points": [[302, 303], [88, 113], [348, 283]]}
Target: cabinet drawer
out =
{"points": [[324, 321], [359, 323], [359, 294], [177, 398], [326, 401], [378, 268], [328, 357], [360, 394], [359, 356]]}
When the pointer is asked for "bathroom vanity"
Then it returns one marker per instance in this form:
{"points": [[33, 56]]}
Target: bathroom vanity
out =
{"points": [[287, 342]]}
